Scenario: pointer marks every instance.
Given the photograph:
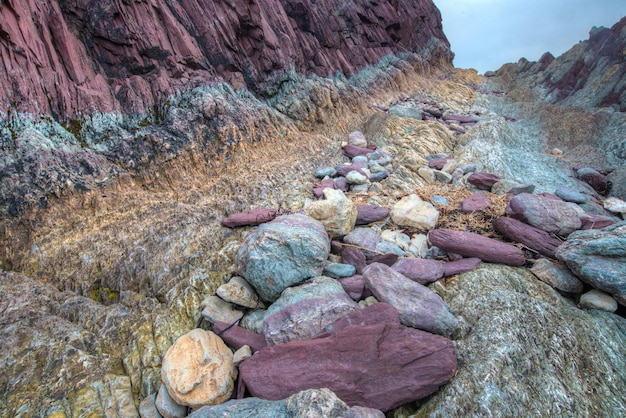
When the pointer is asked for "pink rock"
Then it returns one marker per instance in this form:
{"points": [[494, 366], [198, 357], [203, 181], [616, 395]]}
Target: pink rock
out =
{"points": [[318, 187], [367, 214], [437, 163], [251, 217], [459, 118], [476, 202], [236, 337], [470, 244], [352, 151], [353, 286], [460, 266], [377, 313], [591, 221], [482, 180], [422, 271], [343, 170], [550, 215], [378, 366], [534, 238], [387, 259], [435, 112], [355, 257]]}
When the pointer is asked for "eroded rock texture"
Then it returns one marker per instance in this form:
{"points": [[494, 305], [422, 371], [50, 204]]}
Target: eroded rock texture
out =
{"points": [[62, 57]]}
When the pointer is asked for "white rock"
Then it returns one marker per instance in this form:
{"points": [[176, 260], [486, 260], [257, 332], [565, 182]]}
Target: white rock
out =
{"points": [[614, 204], [419, 245], [198, 370], [449, 166], [216, 309], [357, 138], [354, 177], [240, 355], [414, 212], [596, 299], [239, 292]]}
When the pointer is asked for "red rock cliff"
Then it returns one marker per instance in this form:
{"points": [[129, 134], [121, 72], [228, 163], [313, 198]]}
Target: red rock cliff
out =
{"points": [[67, 56]]}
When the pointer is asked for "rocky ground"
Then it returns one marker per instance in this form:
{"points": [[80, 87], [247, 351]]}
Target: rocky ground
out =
{"points": [[477, 201]]}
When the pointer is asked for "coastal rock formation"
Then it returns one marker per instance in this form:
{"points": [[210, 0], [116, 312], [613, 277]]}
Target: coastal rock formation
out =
{"points": [[66, 57]]}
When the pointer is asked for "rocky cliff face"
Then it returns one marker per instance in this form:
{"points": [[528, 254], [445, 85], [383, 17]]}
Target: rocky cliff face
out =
{"points": [[590, 74], [65, 57]]}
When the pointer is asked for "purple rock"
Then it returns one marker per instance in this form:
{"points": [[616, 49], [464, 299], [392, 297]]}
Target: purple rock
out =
{"points": [[251, 217], [435, 112], [354, 257], [422, 271], [387, 259], [534, 238], [593, 178], [437, 163], [344, 169], [592, 221], [378, 366], [342, 184], [353, 286], [550, 215], [377, 313], [318, 187], [460, 266], [367, 214], [236, 337], [459, 118], [476, 202], [352, 151], [470, 244], [482, 180]]}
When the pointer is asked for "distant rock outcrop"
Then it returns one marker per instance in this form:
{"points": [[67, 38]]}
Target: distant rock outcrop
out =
{"points": [[65, 57]]}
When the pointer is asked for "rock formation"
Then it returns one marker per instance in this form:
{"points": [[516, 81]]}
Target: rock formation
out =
{"points": [[66, 57]]}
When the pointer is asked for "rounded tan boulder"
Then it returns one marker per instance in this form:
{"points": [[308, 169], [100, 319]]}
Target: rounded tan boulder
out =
{"points": [[198, 369]]}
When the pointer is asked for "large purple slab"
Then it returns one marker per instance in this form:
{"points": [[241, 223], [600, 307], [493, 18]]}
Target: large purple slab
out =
{"points": [[534, 238], [236, 337], [366, 214], [460, 266], [251, 217], [420, 270], [482, 180]]}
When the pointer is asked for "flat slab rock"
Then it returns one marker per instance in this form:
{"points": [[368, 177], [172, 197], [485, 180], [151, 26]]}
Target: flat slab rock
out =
{"points": [[378, 366], [470, 244], [534, 238], [251, 217], [367, 214], [483, 181]]}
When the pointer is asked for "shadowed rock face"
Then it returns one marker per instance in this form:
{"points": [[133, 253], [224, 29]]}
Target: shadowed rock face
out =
{"points": [[62, 57]]}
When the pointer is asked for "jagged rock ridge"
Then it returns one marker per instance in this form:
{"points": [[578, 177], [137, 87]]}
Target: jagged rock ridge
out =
{"points": [[64, 57]]}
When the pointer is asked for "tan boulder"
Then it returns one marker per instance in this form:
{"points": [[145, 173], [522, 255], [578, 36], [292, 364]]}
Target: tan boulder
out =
{"points": [[336, 212], [198, 370], [414, 212]]}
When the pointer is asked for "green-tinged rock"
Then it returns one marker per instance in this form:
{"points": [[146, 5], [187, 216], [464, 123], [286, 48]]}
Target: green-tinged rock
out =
{"points": [[598, 257], [308, 403], [527, 351], [282, 253]]}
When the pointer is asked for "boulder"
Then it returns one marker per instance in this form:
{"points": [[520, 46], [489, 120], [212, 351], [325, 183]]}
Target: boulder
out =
{"points": [[337, 270], [198, 369], [251, 217], [598, 257], [422, 271], [596, 299], [239, 292], [303, 311], [557, 276], [378, 366], [418, 306], [308, 403], [570, 195], [414, 212], [534, 238], [512, 319], [469, 244], [476, 202], [376, 313], [459, 118], [336, 212], [437, 163], [236, 337], [281, 253], [483, 181], [463, 265], [367, 214], [550, 215], [387, 259], [615, 205]]}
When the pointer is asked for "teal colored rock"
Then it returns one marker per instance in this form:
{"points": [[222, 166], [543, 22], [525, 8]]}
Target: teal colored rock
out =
{"points": [[308, 403], [526, 351], [304, 311], [337, 270], [282, 253], [598, 257]]}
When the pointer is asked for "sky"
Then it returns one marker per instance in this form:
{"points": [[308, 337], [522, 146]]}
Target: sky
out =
{"points": [[484, 34]]}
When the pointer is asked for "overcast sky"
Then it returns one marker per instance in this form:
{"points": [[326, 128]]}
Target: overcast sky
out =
{"points": [[484, 34]]}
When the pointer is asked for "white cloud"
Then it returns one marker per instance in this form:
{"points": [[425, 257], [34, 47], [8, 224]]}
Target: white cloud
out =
{"points": [[484, 34]]}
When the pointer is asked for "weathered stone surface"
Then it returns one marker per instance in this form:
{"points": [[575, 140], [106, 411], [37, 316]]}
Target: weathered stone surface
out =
{"points": [[534, 238], [405, 112], [437, 163], [420, 270], [353, 286], [550, 215], [505, 186], [596, 299], [483, 181], [303, 311], [376, 313], [512, 319], [216, 309], [618, 181], [239, 292], [318, 187], [557, 276], [463, 265], [198, 369], [371, 243], [336, 212], [367, 214], [147, 408], [167, 407], [64, 70], [598, 257], [305, 404], [413, 211], [615, 205], [379, 366], [283, 252], [470, 244], [458, 118], [418, 306], [236, 337], [477, 201], [251, 217]]}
